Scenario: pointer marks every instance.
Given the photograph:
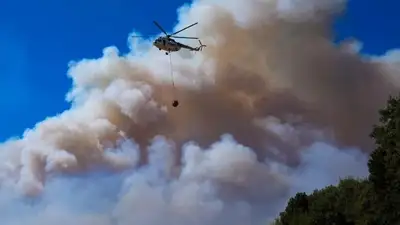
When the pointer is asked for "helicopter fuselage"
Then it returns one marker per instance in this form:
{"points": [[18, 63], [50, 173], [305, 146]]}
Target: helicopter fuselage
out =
{"points": [[166, 44]]}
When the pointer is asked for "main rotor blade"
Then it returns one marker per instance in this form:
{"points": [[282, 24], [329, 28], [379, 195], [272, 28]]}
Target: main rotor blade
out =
{"points": [[145, 37], [159, 26], [185, 28], [184, 37], [141, 36]]}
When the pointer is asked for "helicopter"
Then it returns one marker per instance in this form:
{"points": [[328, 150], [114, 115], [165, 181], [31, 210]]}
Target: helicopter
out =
{"points": [[169, 45]]}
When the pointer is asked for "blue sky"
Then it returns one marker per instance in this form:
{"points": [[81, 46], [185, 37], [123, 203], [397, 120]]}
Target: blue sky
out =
{"points": [[39, 38]]}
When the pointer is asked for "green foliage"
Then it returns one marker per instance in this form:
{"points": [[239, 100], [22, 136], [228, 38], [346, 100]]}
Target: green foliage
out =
{"points": [[372, 201], [357, 201], [384, 162], [296, 210], [324, 207], [344, 204]]}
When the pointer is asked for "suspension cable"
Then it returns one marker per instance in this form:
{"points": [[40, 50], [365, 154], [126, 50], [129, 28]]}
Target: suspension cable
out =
{"points": [[175, 102], [172, 71]]}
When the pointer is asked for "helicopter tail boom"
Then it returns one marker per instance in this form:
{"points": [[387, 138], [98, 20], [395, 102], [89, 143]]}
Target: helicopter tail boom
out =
{"points": [[197, 49]]}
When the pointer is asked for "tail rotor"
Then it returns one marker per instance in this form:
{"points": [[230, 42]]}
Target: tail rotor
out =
{"points": [[200, 48]]}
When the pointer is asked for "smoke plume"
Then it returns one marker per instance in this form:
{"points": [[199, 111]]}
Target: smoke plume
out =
{"points": [[271, 107]]}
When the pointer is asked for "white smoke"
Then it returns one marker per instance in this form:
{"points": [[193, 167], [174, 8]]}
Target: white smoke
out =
{"points": [[261, 118], [222, 184]]}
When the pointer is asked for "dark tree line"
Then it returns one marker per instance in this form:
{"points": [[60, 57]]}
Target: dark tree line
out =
{"points": [[371, 201]]}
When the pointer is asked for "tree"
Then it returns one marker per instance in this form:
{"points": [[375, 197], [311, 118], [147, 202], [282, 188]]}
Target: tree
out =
{"points": [[372, 201], [348, 203], [296, 211], [324, 206], [357, 200], [384, 162]]}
